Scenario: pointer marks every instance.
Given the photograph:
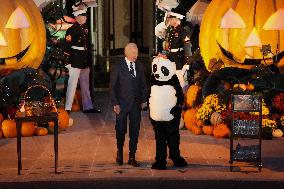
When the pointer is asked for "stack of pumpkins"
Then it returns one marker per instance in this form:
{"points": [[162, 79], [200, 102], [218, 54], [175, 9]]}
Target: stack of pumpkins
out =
{"points": [[193, 100], [9, 130], [217, 128]]}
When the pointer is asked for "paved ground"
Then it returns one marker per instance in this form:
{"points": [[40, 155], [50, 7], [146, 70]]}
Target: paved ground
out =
{"points": [[87, 153]]}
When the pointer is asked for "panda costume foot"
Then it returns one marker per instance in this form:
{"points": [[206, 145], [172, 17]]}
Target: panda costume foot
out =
{"points": [[159, 165], [179, 162]]}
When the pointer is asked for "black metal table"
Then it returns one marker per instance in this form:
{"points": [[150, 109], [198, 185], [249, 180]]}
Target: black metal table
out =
{"points": [[52, 117]]}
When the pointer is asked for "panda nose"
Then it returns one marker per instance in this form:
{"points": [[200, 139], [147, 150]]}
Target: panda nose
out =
{"points": [[157, 75]]}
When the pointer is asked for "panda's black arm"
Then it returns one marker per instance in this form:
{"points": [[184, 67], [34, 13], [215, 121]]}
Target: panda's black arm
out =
{"points": [[179, 92]]}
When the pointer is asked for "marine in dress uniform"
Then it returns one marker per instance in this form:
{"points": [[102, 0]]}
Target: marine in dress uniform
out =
{"points": [[178, 40], [178, 44], [77, 40]]}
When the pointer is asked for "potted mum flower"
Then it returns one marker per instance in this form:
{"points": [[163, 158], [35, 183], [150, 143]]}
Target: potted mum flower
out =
{"points": [[267, 128]]}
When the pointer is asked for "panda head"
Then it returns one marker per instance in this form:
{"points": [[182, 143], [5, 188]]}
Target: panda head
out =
{"points": [[163, 69]]}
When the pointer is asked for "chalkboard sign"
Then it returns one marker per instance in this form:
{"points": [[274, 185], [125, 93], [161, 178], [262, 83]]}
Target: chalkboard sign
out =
{"points": [[246, 123], [246, 103], [246, 153], [246, 127]]}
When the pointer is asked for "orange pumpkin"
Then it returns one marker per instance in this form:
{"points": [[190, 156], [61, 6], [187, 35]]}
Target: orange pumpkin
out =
{"points": [[41, 131], [250, 87], [241, 28], [76, 102], [9, 128], [192, 96], [199, 123], [75, 107], [28, 129], [63, 119], [22, 35], [208, 129], [78, 96], [221, 131], [190, 118], [51, 124], [196, 130]]}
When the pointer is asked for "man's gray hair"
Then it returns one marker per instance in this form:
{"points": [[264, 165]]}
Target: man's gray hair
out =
{"points": [[130, 47]]}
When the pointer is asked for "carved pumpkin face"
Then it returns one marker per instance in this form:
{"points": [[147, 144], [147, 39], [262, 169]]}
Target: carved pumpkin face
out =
{"points": [[22, 35], [236, 30]]}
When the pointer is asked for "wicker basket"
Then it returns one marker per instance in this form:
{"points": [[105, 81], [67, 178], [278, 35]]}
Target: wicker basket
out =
{"points": [[38, 108]]}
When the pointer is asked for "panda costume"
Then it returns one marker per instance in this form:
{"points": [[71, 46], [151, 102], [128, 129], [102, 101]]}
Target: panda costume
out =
{"points": [[165, 104]]}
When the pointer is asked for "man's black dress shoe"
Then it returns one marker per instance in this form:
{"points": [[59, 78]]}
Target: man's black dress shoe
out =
{"points": [[133, 162], [119, 158], [94, 110]]}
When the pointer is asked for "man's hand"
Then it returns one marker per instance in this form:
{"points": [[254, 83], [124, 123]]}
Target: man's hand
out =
{"points": [[68, 66], [68, 38], [66, 53], [116, 109], [144, 106]]}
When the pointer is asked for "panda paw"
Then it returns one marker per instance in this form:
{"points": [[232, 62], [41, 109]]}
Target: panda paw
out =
{"points": [[179, 162], [176, 110], [159, 165]]}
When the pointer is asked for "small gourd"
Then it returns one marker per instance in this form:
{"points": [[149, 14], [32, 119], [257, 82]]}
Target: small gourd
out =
{"points": [[216, 118], [41, 131], [277, 133]]}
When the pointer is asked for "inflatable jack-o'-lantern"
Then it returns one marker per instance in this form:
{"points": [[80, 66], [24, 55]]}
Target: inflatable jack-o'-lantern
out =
{"points": [[243, 33], [22, 34]]}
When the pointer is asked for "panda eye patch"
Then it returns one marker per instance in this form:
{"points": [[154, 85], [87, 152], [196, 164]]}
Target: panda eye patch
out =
{"points": [[165, 71], [154, 67]]}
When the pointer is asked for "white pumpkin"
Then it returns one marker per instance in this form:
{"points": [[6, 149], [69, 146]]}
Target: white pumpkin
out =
{"points": [[216, 118], [277, 133]]}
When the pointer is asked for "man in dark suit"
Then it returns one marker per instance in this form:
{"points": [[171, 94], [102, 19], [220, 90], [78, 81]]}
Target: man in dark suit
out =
{"points": [[128, 93]]}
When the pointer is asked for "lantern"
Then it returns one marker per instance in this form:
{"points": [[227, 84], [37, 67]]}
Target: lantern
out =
{"points": [[22, 35], [243, 32]]}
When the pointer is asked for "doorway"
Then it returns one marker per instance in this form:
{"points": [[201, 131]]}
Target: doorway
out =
{"points": [[128, 21]]}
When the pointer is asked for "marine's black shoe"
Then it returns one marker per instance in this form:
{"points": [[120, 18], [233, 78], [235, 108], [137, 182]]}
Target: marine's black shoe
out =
{"points": [[94, 110]]}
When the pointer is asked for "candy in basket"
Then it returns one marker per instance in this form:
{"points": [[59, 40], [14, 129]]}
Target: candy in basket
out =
{"points": [[30, 107]]}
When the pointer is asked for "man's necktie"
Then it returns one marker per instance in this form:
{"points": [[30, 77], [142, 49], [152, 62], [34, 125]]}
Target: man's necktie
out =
{"points": [[132, 69]]}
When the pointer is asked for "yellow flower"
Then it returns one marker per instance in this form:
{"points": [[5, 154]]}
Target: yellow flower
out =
{"points": [[210, 105], [268, 123], [204, 113]]}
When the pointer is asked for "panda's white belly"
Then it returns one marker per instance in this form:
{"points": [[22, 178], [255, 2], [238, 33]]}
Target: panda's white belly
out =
{"points": [[162, 100]]}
